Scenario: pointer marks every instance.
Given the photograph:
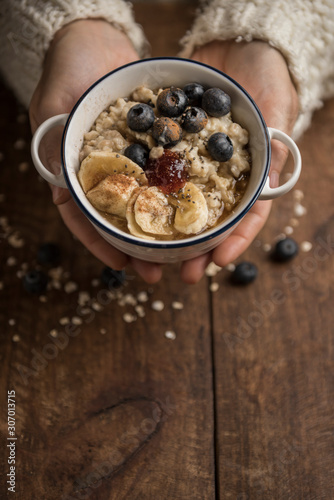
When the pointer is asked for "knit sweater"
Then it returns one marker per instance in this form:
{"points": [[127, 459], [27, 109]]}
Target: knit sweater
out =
{"points": [[302, 30]]}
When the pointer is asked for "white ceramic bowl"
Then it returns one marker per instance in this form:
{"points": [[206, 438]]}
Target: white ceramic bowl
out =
{"points": [[155, 73]]}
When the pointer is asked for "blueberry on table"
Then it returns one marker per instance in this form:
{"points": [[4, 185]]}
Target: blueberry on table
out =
{"points": [[112, 278], [137, 153], [166, 132], [194, 92], [244, 273], [216, 102], [285, 250], [172, 102], [194, 120], [140, 117], [220, 147], [35, 281], [48, 253]]}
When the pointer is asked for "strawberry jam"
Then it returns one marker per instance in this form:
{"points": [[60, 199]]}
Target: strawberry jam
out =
{"points": [[169, 172]]}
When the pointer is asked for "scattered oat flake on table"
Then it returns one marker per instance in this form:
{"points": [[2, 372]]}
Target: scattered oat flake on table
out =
{"points": [[15, 240], [140, 310], [169, 334], [54, 333], [298, 194], [177, 305], [97, 307], [294, 222], [214, 287], [266, 247], [157, 305], [12, 322], [212, 269], [16, 338], [288, 230], [306, 246], [103, 331], [127, 299], [11, 261], [129, 318], [142, 296], [299, 210], [83, 298], [70, 287], [76, 320], [19, 144], [64, 321], [230, 267], [280, 237], [95, 282]]}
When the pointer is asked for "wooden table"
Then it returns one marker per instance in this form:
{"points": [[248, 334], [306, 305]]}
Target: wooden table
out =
{"points": [[238, 406]]}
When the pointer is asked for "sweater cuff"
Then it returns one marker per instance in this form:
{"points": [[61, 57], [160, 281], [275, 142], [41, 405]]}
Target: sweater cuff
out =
{"points": [[303, 34], [27, 29]]}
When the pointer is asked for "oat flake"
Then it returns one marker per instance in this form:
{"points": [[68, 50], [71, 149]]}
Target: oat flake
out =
{"points": [[129, 318], [16, 338], [70, 287], [230, 267], [169, 334], [157, 305], [103, 331], [142, 297], [64, 321], [54, 333], [306, 246], [212, 269], [177, 305], [266, 247], [11, 322], [214, 287]]}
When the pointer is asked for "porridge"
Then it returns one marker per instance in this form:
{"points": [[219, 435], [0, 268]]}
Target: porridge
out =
{"points": [[166, 164]]}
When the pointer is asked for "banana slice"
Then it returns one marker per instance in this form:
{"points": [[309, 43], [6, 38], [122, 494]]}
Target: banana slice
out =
{"points": [[191, 214], [98, 164], [149, 213], [112, 194], [133, 227]]}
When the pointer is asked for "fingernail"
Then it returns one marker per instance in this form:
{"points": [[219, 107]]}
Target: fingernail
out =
{"points": [[274, 179]]}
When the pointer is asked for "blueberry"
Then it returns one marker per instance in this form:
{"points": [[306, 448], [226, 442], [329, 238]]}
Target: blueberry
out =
{"points": [[49, 253], [194, 120], [194, 92], [216, 102], [140, 117], [285, 250], [137, 153], [166, 132], [244, 273], [220, 147], [35, 281], [112, 278], [172, 102]]}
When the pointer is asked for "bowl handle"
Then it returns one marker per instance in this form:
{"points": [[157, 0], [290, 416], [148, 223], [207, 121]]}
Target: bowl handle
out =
{"points": [[54, 121], [269, 193]]}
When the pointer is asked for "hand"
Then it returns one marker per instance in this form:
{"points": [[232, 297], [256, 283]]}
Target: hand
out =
{"points": [[263, 72], [80, 53]]}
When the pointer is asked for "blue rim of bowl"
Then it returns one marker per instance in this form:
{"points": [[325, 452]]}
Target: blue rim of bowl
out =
{"points": [[166, 244]]}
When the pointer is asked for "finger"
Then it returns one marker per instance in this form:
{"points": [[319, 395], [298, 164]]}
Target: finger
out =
{"points": [[80, 226], [243, 235], [193, 270], [150, 272]]}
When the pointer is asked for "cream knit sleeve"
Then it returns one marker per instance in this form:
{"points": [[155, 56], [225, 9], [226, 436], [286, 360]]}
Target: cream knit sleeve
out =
{"points": [[28, 26], [302, 30]]}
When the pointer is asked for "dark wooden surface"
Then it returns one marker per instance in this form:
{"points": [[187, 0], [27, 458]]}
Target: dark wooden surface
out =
{"points": [[239, 406]]}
